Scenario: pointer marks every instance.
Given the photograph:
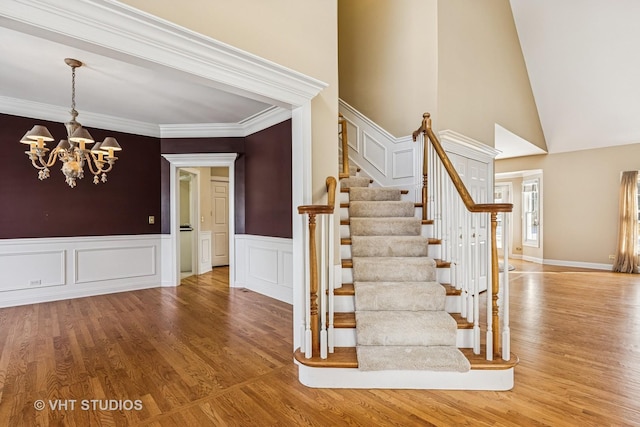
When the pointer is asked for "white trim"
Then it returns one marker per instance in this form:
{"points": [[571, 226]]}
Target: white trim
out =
{"points": [[532, 259], [122, 32], [263, 265], [260, 121], [468, 147], [579, 264], [475, 379], [74, 267], [176, 162]]}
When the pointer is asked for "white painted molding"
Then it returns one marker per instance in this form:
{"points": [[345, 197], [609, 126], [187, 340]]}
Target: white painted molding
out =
{"points": [[579, 264], [260, 121], [460, 144], [264, 265], [54, 113], [122, 32], [52, 269], [177, 161]]}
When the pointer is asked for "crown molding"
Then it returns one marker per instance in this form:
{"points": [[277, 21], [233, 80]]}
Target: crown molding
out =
{"points": [[262, 120], [54, 113], [120, 31]]}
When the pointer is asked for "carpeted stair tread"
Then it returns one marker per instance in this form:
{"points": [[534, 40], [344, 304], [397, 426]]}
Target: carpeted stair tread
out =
{"points": [[394, 269], [385, 226], [386, 208], [355, 181], [387, 246], [404, 296], [437, 358], [405, 328], [370, 194]]}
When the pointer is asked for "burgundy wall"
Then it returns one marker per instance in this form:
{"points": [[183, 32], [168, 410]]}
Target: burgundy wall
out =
{"points": [[31, 208], [262, 178], [268, 182], [204, 145], [138, 186]]}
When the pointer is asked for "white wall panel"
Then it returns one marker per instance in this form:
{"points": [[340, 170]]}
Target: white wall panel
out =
{"points": [[100, 264], [402, 163], [24, 270], [265, 265], [39, 270], [375, 153]]}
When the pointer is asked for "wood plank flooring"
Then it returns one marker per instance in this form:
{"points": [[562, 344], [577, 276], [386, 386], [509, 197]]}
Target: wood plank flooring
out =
{"points": [[206, 355]]}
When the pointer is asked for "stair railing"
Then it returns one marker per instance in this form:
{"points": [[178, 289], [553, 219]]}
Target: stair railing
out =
{"points": [[318, 326], [344, 140], [463, 232]]}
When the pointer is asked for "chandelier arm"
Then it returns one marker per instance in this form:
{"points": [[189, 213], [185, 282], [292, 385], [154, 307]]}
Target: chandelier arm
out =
{"points": [[53, 156]]}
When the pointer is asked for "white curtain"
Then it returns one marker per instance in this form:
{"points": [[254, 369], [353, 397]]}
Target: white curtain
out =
{"points": [[626, 252]]}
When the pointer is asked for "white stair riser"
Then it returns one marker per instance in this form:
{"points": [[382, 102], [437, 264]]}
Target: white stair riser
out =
{"points": [[347, 275], [345, 251], [343, 197], [344, 213], [344, 231], [453, 304], [346, 337], [344, 304], [434, 251]]}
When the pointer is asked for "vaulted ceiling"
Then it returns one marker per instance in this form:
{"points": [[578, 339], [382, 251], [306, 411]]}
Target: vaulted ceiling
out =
{"points": [[581, 56]]}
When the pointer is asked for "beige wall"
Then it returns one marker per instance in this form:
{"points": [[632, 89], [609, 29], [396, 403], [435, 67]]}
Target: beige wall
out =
{"points": [[482, 77], [580, 200], [220, 171], [459, 60], [388, 60], [516, 215], [299, 34]]}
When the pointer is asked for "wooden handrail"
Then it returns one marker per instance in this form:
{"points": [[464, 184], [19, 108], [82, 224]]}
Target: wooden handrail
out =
{"points": [[312, 211], [345, 147], [492, 208], [425, 128]]}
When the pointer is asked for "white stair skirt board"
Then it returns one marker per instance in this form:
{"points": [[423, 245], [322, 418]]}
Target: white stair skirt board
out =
{"points": [[475, 379]]}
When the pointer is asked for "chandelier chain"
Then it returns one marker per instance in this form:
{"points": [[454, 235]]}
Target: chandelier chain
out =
{"points": [[73, 88]]}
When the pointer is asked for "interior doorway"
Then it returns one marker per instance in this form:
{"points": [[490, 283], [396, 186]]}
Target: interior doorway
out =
{"points": [[219, 197], [188, 214], [181, 161]]}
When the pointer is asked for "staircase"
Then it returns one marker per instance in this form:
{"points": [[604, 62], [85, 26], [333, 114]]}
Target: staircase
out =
{"points": [[395, 321]]}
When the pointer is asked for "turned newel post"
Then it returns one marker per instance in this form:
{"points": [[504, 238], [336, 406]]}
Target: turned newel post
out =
{"points": [[426, 124], [495, 285], [313, 277]]}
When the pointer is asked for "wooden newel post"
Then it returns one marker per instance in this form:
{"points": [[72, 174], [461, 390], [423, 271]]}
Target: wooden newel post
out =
{"points": [[495, 285], [313, 286]]}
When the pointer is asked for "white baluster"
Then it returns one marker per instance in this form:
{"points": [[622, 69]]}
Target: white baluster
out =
{"points": [[332, 286], [506, 332], [476, 294], [323, 287], [307, 290]]}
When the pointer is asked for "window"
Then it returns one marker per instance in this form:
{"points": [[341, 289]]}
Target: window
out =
{"points": [[531, 212], [501, 195]]}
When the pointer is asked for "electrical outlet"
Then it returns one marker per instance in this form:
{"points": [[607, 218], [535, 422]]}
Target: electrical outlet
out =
{"points": [[612, 257], [152, 219], [35, 283]]}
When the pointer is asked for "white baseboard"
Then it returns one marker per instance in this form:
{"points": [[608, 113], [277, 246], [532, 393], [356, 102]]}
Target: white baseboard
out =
{"points": [[265, 265], [532, 259], [579, 264], [51, 269]]}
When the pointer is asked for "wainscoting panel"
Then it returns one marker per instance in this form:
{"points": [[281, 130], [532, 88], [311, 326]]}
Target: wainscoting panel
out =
{"points": [[100, 264], [204, 240], [265, 265], [25, 270], [50, 269]]}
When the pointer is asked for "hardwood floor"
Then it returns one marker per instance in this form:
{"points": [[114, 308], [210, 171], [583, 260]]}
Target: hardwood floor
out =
{"points": [[206, 355]]}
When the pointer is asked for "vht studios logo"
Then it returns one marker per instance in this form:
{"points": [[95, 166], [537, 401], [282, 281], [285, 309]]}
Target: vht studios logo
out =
{"points": [[88, 405]]}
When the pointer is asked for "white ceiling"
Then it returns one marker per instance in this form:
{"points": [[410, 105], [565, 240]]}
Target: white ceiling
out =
{"points": [[32, 70], [581, 55], [583, 60]]}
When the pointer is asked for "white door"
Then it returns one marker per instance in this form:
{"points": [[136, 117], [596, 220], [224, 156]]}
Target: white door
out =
{"points": [[474, 175], [220, 223]]}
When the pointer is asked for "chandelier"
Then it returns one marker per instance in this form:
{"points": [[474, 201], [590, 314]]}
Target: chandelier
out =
{"points": [[72, 152]]}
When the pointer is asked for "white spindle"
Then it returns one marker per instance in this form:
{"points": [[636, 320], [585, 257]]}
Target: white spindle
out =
{"points": [[323, 287], [332, 285], [307, 290], [506, 332]]}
